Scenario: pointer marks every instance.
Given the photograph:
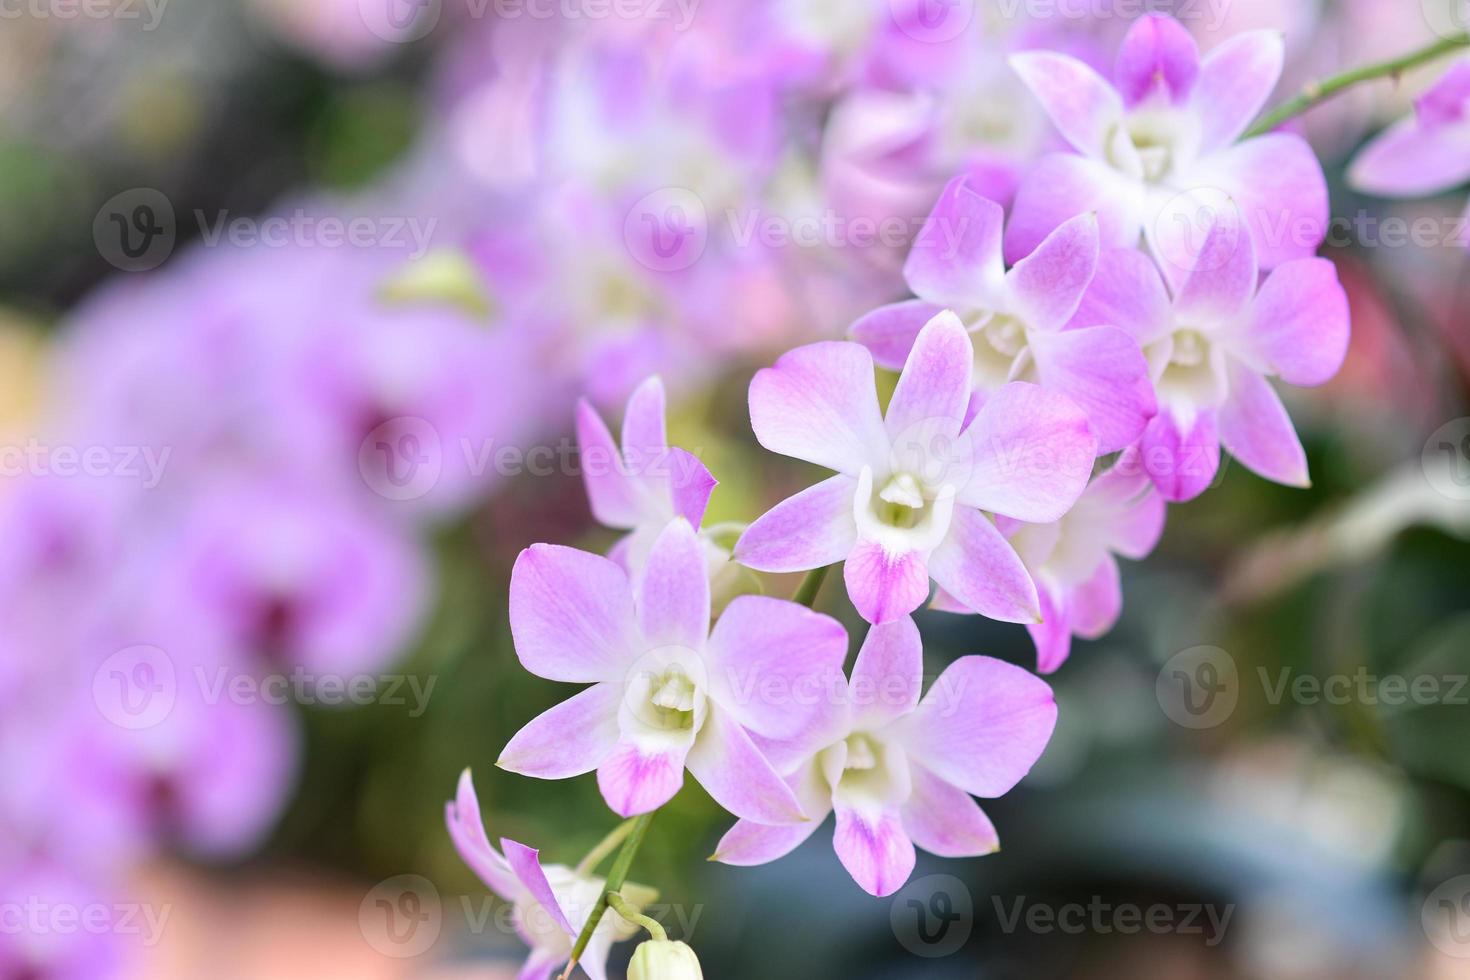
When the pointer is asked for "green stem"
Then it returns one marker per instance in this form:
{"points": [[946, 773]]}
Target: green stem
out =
{"points": [[806, 593], [620, 905], [604, 847], [1318, 92], [615, 878]]}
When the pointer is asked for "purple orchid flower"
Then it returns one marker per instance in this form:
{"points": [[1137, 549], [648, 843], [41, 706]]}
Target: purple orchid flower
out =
{"points": [[1426, 153], [1074, 560], [1159, 143], [668, 692], [37, 941], [1017, 319], [914, 490], [902, 771], [1212, 346], [551, 903], [643, 484]]}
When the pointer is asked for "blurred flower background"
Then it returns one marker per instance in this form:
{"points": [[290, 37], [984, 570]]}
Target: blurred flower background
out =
{"points": [[296, 299]]}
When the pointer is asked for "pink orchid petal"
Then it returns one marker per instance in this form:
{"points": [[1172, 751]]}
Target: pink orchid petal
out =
{"points": [[1256, 430], [540, 965], [1097, 603], [1446, 100], [639, 779], [1052, 636], [1032, 453], [944, 602], [748, 843], [1181, 457], [982, 726], [956, 258], [1135, 529], [888, 676], [1080, 102], [776, 666], [733, 771], [616, 501], [820, 403], [1157, 56], [1060, 186], [875, 849], [571, 615], [692, 485], [945, 820], [1222, 274], [1047, 286], [1127, 293], [526, 864], [884, 586], [1236, 78], [644, 437], [889, 332], [570, 739], [674, 594], [979, 568], [1103, 371], [935, 386], [1411, 159], [1299, 323], [813, 529], [1279, 187], [467, 831]]}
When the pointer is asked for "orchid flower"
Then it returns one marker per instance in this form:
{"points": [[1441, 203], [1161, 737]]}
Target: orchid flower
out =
{"points": [[1073, 561], [902, 770], [1160, 142], [551, 903], [1426, 153], [1017, 319], [667, 690], [914, 489], [643, 484], [1212, 347]]}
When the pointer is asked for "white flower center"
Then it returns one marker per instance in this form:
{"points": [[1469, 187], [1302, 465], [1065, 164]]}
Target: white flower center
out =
{"points": [[1188, 368], [866, 772], [1150, 144]]}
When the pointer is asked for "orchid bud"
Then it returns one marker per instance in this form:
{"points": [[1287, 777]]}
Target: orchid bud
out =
{"points": [[661, 959]]}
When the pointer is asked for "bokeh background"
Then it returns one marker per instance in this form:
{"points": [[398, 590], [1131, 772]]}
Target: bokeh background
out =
{"points": [[296, 298]]}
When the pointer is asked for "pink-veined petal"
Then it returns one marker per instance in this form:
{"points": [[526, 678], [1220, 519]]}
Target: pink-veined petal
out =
{"points": [[1182, 457], [733, 771], [820, 403], [615, 500], [1046, 286], [640, 778], [539, 965], [935, 386], [956, 258], [1256, 430], [643, 421], [979, 568], [945, 820], [1032, 453], [1127, 293], [692, 485], [982, 726], [874, 848], [812, 529], [1298, 326], [748, 843], [570, 739], [1097, 603], [1060, 186], [673, 593], [1052, 636], [1103, 371], [571, 615], [1079, 101], [1411, 159], [1222, 274], [526, 864], [883, 585], [888, 676], [1279, 187], [889, 331], [467, 830], [1236, 78], [1157, 57]]}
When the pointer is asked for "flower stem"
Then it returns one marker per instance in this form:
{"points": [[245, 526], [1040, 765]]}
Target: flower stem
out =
{"points": [[638, 828], [1316, 93], [620, 905], [806, 593], [604, 847]]}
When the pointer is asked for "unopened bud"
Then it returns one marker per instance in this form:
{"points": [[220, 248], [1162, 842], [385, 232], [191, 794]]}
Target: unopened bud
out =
{"points": [[661, 959]]}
